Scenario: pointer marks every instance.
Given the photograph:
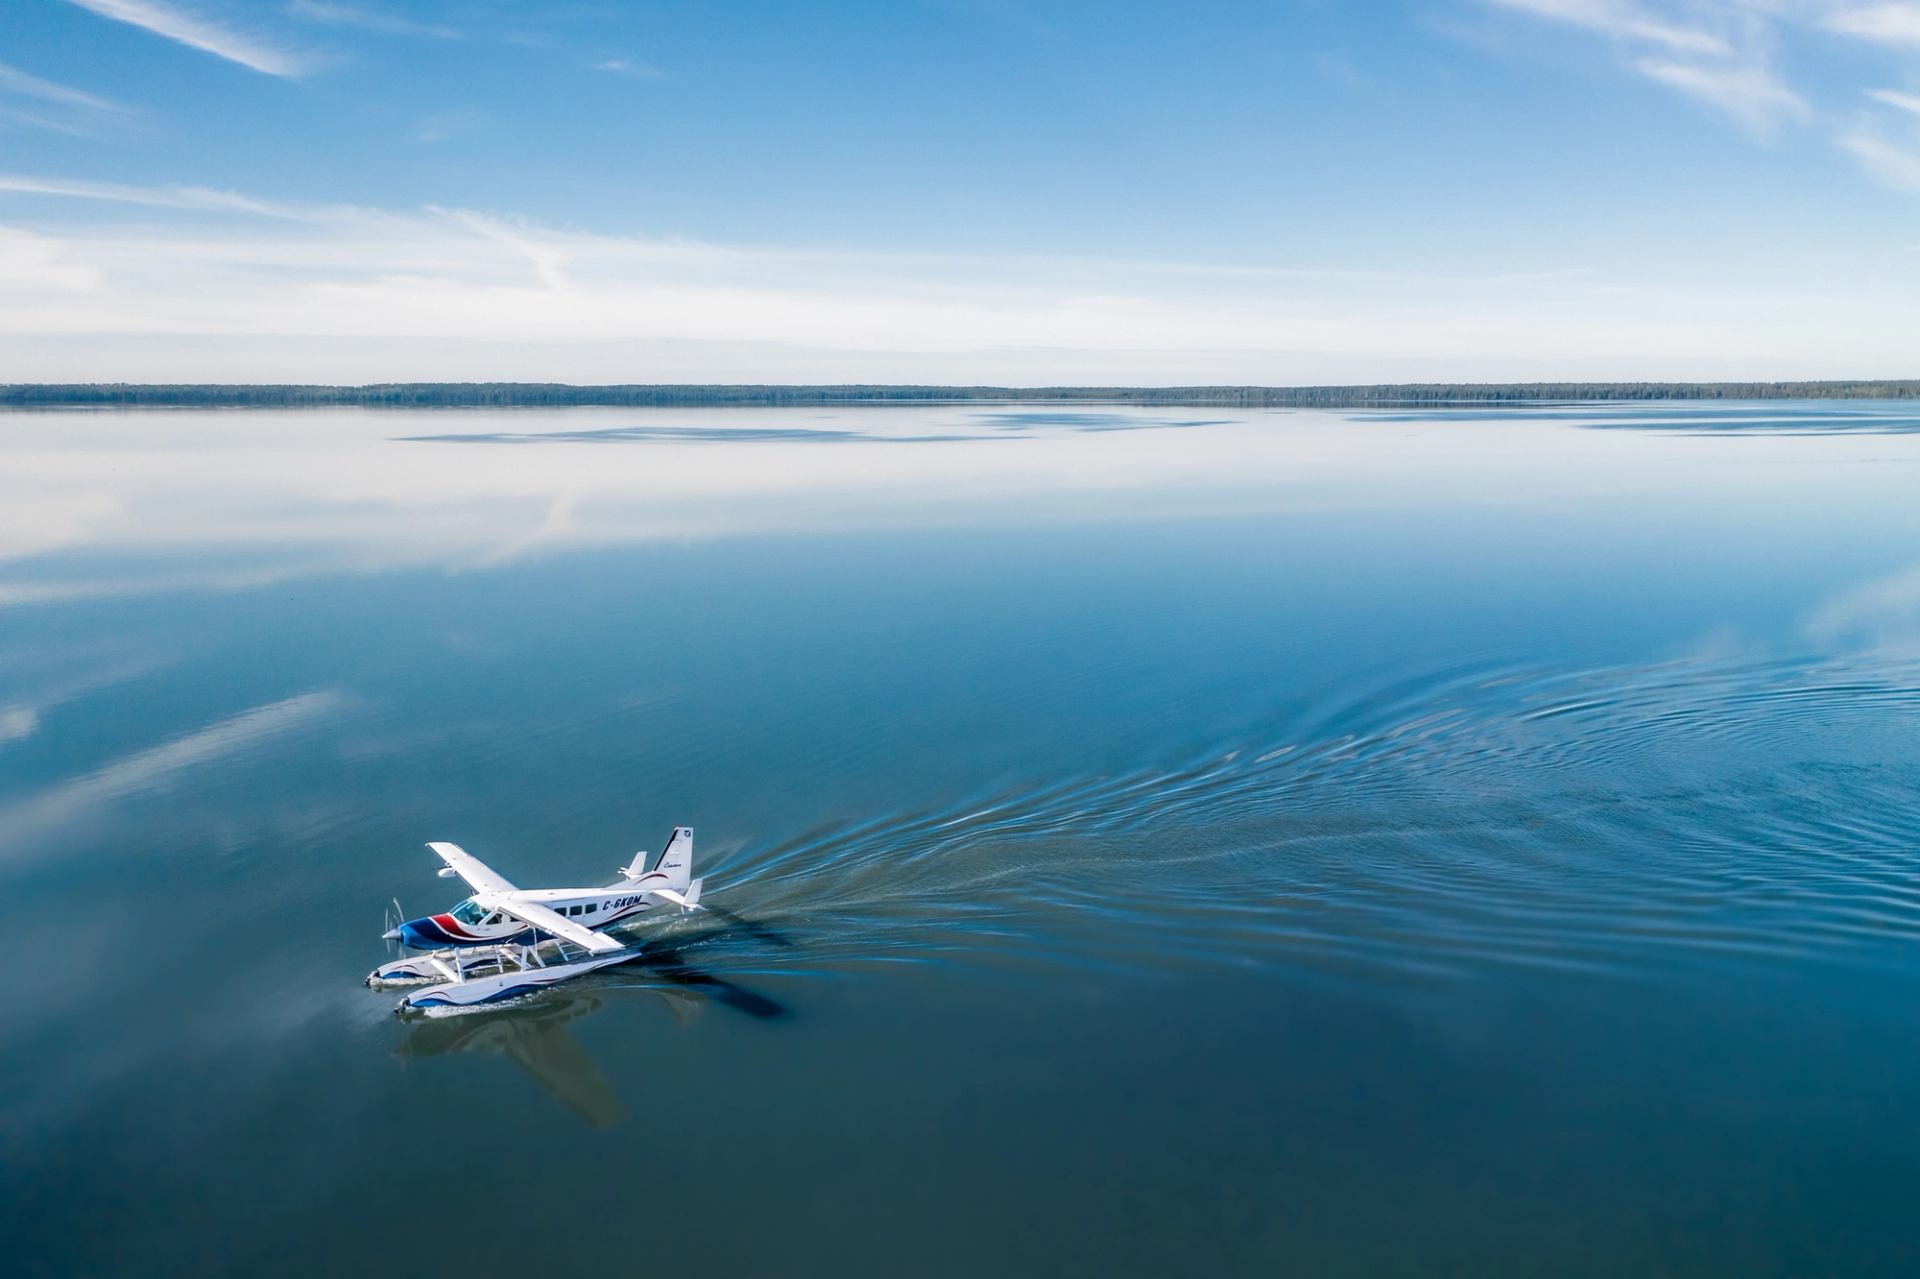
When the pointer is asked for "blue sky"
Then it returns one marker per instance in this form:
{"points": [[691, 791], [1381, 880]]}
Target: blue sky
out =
{"points": [[1274, 192]]}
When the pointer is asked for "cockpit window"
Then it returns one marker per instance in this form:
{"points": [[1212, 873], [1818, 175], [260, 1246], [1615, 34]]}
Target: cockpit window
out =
{"points": [[469, 912]]}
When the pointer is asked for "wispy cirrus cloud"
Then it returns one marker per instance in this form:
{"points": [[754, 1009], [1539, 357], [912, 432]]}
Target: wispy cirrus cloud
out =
{"points": [[1750, 94], [345, 15], [1624, 21], [175, 197], [345, 293], [626, 66], [1722, 52], [1881, 23], [442, 125], [1715, 51], [1908, 102], [14, 80], [172, 22], [1893, 164], [60, 108]]}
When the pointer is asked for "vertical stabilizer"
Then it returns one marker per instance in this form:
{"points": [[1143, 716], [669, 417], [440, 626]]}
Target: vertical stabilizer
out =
{"points": [[676, 859]]}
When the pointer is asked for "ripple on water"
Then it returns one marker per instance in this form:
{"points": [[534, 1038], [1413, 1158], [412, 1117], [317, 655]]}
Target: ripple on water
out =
{"points": [[1601, 820]]}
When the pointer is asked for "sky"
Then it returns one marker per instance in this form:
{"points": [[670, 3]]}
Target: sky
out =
{"points": [[964, 191]]}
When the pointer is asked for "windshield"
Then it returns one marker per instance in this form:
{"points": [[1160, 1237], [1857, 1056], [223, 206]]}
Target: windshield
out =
{"points": [[469, 912]]}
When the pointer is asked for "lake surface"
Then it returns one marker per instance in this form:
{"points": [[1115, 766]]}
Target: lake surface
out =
{"points": [[1149, 841]]}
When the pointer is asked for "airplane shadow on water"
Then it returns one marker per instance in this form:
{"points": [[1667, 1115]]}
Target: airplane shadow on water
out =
{"points": [[534, 1033]]}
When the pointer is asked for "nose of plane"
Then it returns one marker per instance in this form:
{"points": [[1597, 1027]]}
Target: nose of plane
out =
{"points": [[407, 934]]}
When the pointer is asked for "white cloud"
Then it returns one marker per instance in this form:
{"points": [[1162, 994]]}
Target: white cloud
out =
{"points": [[1624, 21], [548, 258], [1722, 52], [181, 197], [1717, 51], [1897, 166], [14, 80], [1909, 102], [173, 23], [51, 123], [59, 108], [442, 125], [1749, 94], [1882, 23], [228, 287], [470, 276], [626, 66], [342, 15], [29, 259]]}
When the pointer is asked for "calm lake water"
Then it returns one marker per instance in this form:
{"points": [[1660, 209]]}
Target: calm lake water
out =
{"points": [[1150, 841]]}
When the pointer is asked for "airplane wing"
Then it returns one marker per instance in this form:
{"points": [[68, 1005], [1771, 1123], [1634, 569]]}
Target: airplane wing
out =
{"points": [[479, 876], [559, 925]]}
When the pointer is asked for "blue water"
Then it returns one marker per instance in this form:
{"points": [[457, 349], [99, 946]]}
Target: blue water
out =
{"points": [[1145, 841]]}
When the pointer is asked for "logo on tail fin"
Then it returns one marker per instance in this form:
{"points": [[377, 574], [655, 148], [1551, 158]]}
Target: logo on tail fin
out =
{"points": [[676, 859]]}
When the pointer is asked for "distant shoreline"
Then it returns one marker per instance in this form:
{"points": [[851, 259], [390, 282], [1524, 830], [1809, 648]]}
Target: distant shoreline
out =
{"points": [[562, 395]]}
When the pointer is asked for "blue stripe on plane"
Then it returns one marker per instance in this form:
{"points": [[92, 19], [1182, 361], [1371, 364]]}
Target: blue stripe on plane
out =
{"points": [[425, 934]]}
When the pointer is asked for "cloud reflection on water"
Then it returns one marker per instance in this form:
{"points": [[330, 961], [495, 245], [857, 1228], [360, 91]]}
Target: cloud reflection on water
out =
{"points": [[157, 767], [108, 504]]}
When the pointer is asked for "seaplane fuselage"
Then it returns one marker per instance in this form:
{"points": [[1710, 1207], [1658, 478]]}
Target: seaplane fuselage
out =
{"points": [[500, 914], [479, 921]]}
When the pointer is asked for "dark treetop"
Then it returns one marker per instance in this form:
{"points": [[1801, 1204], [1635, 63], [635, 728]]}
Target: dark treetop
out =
{"points": [[552, 394]]}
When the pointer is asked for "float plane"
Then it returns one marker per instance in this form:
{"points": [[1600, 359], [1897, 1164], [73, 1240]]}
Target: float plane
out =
{"points": [[505, 941]]}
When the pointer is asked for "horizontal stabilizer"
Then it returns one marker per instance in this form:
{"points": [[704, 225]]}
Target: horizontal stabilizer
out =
{"points": [[689, 901]]}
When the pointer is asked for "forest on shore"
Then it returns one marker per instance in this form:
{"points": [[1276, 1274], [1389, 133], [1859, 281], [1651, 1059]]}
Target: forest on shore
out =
{"points": [[561, 395]]}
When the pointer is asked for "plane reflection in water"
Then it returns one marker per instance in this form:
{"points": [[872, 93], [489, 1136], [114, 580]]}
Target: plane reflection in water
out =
{"points": [[536, 1037], [534, 1034]]}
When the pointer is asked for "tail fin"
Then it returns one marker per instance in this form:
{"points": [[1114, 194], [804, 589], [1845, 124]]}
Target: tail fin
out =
{"points": [[677, 858]]}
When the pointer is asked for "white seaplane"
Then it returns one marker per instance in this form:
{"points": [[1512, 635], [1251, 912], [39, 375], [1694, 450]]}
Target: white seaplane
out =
{"points": [[505, 941]]}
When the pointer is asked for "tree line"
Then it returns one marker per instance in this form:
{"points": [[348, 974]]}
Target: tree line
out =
{"points": [[558, 394]]}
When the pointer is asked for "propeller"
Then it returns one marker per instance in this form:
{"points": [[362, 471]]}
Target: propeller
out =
{"points": [[393, 918]]}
